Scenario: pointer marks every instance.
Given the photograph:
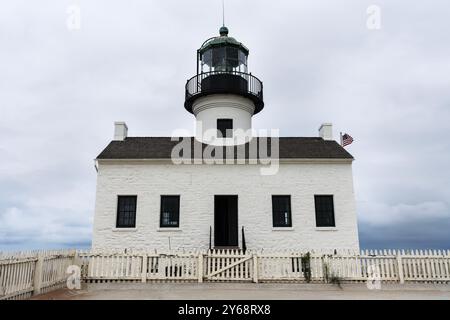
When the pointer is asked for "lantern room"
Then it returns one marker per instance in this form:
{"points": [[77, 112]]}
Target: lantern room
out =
{"points": [[222, 68], [223, 54]]}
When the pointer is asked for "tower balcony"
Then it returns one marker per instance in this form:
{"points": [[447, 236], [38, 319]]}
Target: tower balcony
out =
{"points": [[225, 82]]}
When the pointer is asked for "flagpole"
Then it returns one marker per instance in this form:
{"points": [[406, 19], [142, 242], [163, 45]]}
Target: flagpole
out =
{"points": [[342, 140]]}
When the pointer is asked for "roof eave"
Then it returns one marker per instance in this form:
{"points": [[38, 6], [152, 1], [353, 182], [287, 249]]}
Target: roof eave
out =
{"points": [[283, 160]]}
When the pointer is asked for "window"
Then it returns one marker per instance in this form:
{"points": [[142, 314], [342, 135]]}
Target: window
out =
{"points": [[325, 211], [242, 62], [170, 212], [219, 56], [225, 128], [224, 59], [281, 206], [232, 58], [126, 212]]}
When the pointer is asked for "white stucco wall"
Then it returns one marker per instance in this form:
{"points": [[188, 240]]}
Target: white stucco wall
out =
{"points": [[209, 109], [197, 186]]}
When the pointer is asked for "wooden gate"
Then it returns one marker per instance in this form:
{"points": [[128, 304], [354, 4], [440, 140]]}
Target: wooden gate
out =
{"points": [[229, 265]]}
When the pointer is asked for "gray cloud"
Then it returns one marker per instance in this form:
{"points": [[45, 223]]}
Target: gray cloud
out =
{"points": [[60, 92]]}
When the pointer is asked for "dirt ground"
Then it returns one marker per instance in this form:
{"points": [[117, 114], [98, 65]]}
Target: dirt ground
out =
{"points": [[221, 291]]}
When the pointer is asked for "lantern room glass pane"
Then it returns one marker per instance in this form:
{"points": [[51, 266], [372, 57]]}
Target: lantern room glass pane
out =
{"points": [[219, 59], [242, 62], [224, 59], [207, 61], [232, 59]]}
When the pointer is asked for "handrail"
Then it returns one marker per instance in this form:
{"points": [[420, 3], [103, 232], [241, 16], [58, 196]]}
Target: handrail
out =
{"points": [[254, 86], [210, 238], [239, 73], [244, 243]]}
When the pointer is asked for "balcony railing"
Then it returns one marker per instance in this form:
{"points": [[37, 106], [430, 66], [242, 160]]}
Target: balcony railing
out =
{"points": [[218, 82]]}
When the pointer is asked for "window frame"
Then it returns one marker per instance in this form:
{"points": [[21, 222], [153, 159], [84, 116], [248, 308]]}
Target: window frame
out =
{"points": [[333, 212], [285, 226], [118, 212], [227, 130], [164, 227]]}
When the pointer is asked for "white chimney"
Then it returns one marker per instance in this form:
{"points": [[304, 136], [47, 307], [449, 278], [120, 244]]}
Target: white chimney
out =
{"points": [[120, 131], [326, 131]]}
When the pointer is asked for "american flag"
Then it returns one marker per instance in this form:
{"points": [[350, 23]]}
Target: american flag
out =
{"points": [[347, 140]]}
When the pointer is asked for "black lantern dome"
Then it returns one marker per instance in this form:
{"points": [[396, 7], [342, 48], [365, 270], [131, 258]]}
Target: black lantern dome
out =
{"points": [[222, 68]]}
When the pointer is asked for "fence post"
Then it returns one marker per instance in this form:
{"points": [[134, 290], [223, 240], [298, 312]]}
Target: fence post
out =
{"points": [[400, 268], [200, 267], [144, 268], [255, 268], [76, 259], [325, 268], [37, 281]]}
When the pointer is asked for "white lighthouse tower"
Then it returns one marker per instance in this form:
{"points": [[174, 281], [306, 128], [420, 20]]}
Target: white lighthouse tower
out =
{"points": [[223, 96]]}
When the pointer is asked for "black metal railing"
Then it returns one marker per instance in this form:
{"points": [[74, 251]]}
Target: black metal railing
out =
{"points": [[244, 243], [225, 82], [210, 238]]}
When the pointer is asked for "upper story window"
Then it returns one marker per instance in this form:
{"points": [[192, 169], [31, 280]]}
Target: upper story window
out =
{"points": [[225, 128], [170, 212], [281, 207], [126, 212], [325, 212]]}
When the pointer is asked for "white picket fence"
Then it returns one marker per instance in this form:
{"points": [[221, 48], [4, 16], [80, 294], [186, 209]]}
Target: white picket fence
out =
{"points": [[260, 266], [25, 274], [143, 267], [384, 265]]}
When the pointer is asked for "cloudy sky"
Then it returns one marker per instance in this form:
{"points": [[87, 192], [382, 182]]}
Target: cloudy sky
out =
{"points": [[62, 89]]}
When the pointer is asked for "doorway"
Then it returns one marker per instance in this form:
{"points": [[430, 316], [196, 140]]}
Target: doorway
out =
{"points": [[226, 229]]}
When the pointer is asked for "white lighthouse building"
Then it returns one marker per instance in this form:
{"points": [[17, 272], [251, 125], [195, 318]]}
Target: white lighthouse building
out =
{"points": [[226, 187]]}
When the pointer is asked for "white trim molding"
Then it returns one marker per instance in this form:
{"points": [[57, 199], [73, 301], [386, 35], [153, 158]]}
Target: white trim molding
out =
{"points": [[169, 230], [283, 229], [327, 229], [124, 230]]}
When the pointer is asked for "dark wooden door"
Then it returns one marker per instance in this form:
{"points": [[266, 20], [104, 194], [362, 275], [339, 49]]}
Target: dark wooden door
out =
{"points": [[226, 221]]}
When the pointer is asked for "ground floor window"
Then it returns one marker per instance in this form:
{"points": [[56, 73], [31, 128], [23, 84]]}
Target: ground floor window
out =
{"points": [[170, 212], [281, 207], [325, 211], [126, 212]]}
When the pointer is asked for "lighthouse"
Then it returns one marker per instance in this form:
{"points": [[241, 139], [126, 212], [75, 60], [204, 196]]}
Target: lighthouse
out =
{"points": [[146, 200], [223, 96]]}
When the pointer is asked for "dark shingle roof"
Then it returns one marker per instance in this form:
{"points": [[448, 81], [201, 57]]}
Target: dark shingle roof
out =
{"points": [[161, 148]]}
